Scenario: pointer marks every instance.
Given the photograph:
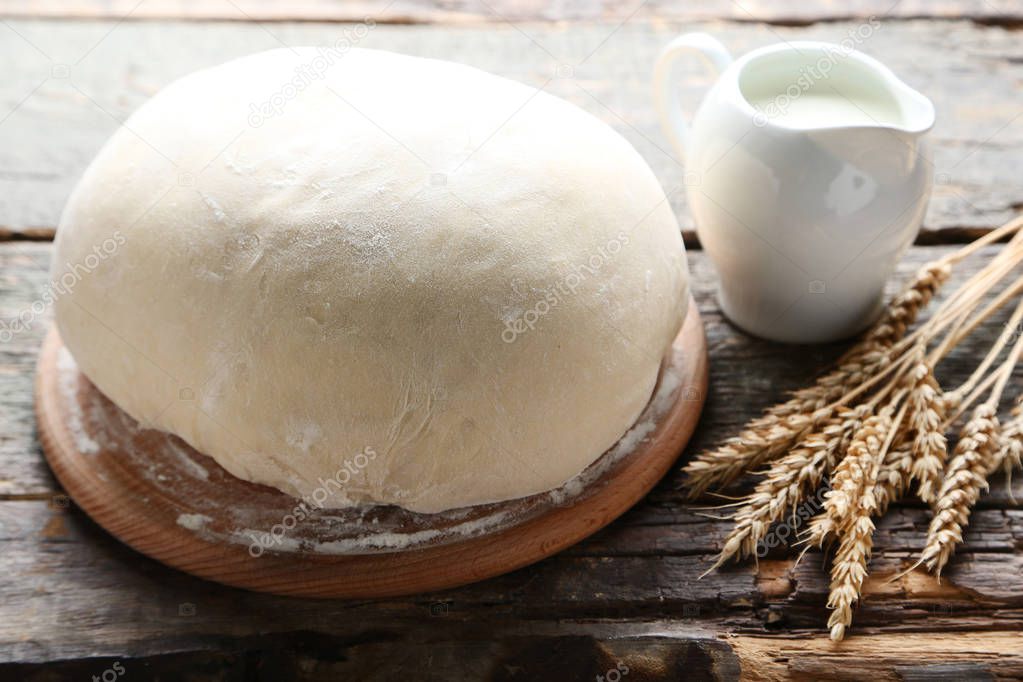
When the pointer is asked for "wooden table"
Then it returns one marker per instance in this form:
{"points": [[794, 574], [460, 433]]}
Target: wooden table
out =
{"points": [[76, 603]]}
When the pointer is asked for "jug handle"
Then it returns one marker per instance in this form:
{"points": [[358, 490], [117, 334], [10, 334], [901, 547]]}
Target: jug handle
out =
{"points": [[712, 53]]}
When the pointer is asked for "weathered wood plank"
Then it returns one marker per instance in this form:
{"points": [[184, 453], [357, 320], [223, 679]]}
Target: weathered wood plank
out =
{"points": [[958, 656], [24, 272], [783, 12], [74, 591], [78, 595], [434, 646], [77, 81], [630, 594]]}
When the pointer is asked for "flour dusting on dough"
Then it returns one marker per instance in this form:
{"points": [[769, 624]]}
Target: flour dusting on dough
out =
{"points": [[175, 468], [318, 290]]}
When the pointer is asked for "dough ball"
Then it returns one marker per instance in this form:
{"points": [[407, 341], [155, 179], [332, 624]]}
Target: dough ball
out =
{"points": [[431, 285]]}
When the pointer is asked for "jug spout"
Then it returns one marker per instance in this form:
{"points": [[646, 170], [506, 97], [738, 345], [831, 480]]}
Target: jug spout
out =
{"points": [[884, 133], [885, 152], [807, 86], [917, 112]]}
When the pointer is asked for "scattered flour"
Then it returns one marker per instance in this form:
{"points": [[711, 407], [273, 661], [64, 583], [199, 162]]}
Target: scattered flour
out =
{"points": [[374, 542], [193, 521], [661, 401], [392, 537], [67, 377], [197, 470]]}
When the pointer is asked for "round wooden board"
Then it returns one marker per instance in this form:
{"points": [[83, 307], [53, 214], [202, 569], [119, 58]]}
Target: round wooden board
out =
{"points": [[164, 499]]}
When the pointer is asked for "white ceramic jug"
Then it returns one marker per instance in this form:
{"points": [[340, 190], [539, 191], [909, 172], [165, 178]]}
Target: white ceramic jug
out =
{"points": [[808, 176]]}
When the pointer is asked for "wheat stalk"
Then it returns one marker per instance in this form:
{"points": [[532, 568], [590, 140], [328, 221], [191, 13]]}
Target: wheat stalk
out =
{"points": [[929, 448], [965, 477], [848, 570], [893, 478], [1011, 445], [787, 484], [783, 425], [853, 478], [853, 515], [843, 427]]}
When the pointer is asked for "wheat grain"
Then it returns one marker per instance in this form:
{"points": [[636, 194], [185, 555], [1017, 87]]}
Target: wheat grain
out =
{"points": [[848, 570], [788, 483], [1011, 445], [852, 517], [852, 478], [974, 457], [782, 426], [926, 423], [893, 477]]}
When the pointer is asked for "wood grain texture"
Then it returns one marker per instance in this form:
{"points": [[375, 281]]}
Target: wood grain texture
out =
{"points": [[781, 12], [955, 657], [76, 82], [76, 599]]}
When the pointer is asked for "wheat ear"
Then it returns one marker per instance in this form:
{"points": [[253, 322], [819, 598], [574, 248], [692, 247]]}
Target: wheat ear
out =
{"points": [[1012, 445], [855, 527], [783, 425], [787, 484], [764, 441], [896, 470], [849, 478], [965, 478], [893, 478], [848, 571], [929, 447]]}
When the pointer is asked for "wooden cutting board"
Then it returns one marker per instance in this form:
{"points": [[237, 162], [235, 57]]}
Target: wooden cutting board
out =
{"points": [[176, 505]]}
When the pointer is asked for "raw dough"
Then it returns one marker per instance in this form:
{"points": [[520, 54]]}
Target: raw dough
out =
{"points": [[401, 281]]}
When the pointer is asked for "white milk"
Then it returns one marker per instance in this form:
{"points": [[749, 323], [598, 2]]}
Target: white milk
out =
{"points": [[806, 199], [812, 109]]}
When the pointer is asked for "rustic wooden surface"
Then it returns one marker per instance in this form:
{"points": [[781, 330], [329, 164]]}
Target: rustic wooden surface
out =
{"points": [[75, 82], [630, 594], [76, 603], [778, 12]]}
